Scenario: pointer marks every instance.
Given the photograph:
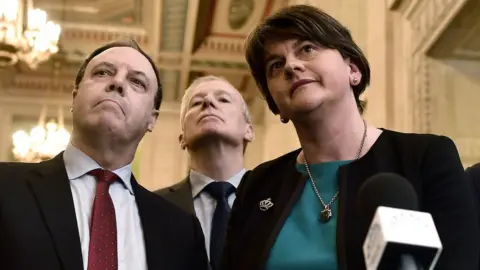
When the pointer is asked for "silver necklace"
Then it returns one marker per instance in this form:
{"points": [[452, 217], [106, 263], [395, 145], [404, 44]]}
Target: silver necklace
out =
{"points": [[326, 213]]}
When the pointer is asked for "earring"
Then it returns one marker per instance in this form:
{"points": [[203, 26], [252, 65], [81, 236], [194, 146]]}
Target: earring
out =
{"points": [[355, 80], [283, 120]]}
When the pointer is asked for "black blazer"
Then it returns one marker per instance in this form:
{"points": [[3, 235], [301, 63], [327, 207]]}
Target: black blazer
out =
{"points": [[38, 227], [180, 194], [431, 163], [474, 175]]}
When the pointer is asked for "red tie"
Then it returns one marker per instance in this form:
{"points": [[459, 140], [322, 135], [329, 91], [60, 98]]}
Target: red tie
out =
{"points": [[102, 251]]}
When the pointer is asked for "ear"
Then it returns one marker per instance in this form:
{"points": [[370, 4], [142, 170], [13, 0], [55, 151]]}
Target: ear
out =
{"points": [[249, 134], [181, 140], [74, 93], [355, 76], [152, 121]]}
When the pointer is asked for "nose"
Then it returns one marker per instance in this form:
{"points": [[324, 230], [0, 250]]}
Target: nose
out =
{"points": [[117, 84], [208, 102], [292, 66]]}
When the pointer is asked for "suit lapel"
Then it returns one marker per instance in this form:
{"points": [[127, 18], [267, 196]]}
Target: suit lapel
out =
{"points": [[147, 203], [51, 189], [181, 195], [284, 193]]}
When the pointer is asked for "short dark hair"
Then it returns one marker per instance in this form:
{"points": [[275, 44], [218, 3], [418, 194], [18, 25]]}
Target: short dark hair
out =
{"points": [[303, 22], [122, 43]]}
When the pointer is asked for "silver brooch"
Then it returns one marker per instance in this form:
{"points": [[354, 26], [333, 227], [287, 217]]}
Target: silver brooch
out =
{"points": [[266, 204]]}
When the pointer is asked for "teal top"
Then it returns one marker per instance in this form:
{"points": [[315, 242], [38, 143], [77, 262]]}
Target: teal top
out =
{"points": [[304, 242]]}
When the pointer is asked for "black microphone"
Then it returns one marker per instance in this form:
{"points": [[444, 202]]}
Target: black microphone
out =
{"points": [[400, 236]]}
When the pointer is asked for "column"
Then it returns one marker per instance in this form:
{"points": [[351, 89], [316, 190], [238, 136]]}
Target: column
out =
{"points": [[376, 52], [161, 161], [279, 138]]}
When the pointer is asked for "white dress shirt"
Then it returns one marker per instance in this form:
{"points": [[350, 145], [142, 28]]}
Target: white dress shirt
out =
{"points": [[205, 204], [130, 241]]}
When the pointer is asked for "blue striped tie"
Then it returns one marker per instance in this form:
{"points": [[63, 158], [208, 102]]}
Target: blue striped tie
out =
{"points": [[220, 191]]}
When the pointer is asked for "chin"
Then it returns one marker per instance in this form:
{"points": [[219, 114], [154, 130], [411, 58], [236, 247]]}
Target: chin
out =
{"points": [[209, 136], [105, 124], [305, 106], [209, 133]]}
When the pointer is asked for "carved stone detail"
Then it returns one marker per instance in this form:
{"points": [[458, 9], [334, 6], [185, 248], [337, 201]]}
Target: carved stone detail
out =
{"points": [[173, 25], [429, 18], [223, 45], [37, 84], [100, 35], [169, 61], [426, 18], [420, 93]]}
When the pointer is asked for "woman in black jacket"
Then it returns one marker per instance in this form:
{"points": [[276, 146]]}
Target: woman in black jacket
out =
{"points": [[299, 211]]}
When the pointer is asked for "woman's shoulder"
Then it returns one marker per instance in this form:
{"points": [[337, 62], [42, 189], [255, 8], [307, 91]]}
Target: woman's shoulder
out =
{"points": [[267, 172], [416, 140], [287, 160]]}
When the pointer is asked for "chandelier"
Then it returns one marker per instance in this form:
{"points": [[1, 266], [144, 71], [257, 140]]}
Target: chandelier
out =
{"points": [[25, 34], [43, 142]]}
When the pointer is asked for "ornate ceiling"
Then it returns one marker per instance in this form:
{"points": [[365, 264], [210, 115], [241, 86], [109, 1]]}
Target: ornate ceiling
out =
{"points": [[186, 38]]}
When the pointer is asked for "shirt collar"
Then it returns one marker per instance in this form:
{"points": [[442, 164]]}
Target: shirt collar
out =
{"points": [[200, 181], [78, 164]]}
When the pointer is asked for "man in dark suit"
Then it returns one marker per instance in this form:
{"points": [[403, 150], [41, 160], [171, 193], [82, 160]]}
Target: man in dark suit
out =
{"points": [[216, 128], [84, 209], [473, 174]]}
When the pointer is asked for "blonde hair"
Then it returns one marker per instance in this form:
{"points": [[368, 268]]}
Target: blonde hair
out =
{"points": [[188, 92]]}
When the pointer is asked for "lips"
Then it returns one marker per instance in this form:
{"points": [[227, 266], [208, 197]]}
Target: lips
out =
{"points": [[298, 84]]}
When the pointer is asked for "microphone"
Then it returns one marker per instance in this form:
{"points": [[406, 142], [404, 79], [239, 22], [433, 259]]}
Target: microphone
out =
{"points": [[400, 236]]}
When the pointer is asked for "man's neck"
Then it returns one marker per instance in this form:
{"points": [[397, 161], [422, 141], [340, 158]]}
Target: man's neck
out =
{"points": [[108, 153], [217, 162]]}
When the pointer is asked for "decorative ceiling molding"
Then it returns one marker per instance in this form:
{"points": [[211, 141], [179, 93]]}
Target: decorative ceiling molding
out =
{"points": [[174, 16], [184, 37], [98, 12], [102, 34]]}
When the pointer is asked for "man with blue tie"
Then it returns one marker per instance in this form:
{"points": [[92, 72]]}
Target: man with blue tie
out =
{"points": [[84, 209], [216, 128]]}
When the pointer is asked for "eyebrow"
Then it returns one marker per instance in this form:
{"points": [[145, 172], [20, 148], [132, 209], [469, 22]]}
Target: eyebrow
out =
{"points": [[135, 72], [219, 92], [104, 63], [269, 57]]}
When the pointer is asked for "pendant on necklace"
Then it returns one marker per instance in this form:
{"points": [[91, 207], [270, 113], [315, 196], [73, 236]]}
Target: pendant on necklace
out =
{"points": [[325, 215]]}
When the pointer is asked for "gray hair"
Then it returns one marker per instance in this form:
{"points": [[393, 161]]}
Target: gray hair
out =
{"points": [[188, 92]]}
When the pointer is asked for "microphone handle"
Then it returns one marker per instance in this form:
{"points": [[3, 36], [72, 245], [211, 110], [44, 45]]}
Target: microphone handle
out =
{"points": [[407, 262]]}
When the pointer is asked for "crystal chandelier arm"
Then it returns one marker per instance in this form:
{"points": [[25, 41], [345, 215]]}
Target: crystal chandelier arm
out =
{"points": [[26, 34], [61, 123], [57, 84], [43, 115]]}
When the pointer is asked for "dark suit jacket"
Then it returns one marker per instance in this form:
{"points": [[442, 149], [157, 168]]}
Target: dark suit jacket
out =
{"points": [[474, 175], [180, 194], [38, 227], [432, 165]]}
